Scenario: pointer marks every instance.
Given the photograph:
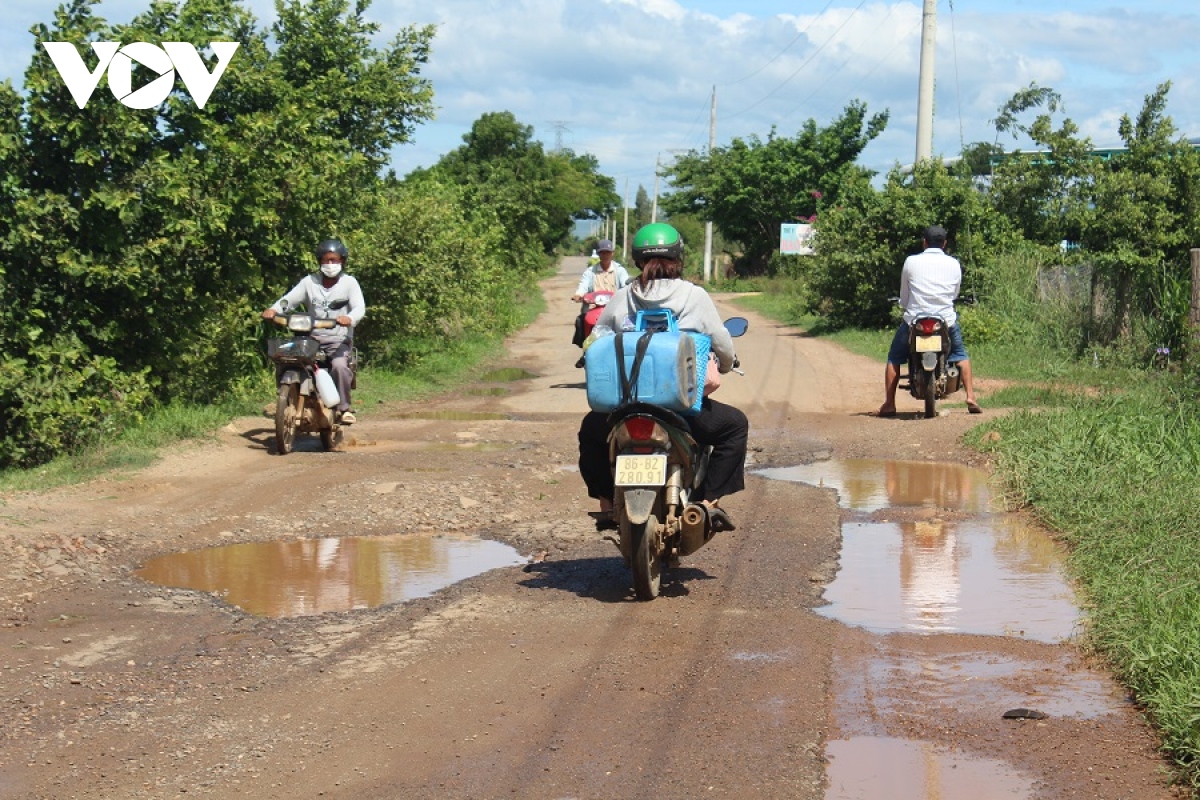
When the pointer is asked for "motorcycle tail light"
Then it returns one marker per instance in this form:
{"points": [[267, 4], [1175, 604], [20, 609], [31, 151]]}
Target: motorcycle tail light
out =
{"points": [[641, 429], [928, 327]]}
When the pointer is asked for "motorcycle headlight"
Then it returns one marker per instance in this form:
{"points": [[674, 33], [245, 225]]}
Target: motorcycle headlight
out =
{"points": [[299, 324]]}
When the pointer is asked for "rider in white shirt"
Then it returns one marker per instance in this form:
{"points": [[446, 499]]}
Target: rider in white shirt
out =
{"points": [[929, 285]]}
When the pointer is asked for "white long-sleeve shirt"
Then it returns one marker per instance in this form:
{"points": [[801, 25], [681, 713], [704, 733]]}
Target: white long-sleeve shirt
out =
{"points": [[929, 285]]}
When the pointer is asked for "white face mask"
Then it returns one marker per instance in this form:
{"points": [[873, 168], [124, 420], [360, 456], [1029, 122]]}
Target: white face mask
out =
{"points": [[331, 270]]}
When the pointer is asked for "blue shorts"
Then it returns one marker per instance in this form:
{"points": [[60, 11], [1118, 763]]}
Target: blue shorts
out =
{"points": [[898, 352]]}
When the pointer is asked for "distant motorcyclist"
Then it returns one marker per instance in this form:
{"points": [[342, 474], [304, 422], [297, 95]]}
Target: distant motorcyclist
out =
{"points": [[605, 275], [929, 284], [330, 293], [658, 252]]}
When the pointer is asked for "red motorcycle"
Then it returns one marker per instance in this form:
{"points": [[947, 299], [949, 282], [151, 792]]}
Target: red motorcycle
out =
{"points": [[591, 308]]}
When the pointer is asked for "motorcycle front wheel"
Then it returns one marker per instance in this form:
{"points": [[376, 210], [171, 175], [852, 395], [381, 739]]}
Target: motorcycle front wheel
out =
{"points": [[285, 418], [647, 565]]}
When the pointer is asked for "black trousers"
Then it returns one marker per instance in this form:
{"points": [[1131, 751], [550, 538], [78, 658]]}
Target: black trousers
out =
{"points": [[723, 426]]}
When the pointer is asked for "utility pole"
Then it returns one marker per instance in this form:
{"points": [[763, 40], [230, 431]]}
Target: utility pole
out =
{"points": [[708, 226], [925, 83], [654, 205], [625, 226]]}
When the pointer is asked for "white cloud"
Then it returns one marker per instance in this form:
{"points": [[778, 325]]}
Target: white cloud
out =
{"points": [[630, 80]]}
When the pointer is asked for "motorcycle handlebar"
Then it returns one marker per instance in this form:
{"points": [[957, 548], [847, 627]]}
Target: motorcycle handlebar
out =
{"points": [[282, 320]]}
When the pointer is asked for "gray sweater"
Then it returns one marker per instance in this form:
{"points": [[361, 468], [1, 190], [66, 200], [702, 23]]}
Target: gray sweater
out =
{"points": [[343, 298], [694, 310]]}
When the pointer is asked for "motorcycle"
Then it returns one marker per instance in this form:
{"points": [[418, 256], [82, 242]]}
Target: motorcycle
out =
{"points": [[306, 396], [657, 465], [591, 308], [930, 376]]}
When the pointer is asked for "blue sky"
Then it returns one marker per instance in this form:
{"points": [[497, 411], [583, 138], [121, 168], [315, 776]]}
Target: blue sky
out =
{"points": [[630, 80]]}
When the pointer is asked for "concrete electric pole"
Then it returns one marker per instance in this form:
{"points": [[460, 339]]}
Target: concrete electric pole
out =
{"points": [[925, 84]]}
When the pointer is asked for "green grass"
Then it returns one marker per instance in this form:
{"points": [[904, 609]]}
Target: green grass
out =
{"points": [[1115, 474]]}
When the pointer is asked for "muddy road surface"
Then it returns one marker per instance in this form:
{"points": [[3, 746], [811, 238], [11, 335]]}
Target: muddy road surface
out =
{"points": [[543, 679]]}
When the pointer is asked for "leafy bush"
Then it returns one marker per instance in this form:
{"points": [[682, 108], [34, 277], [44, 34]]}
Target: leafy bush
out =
{"points": [[59, 398]]}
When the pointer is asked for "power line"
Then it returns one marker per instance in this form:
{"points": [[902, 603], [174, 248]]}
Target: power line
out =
{"points": [[802, 66], [786, 47]]}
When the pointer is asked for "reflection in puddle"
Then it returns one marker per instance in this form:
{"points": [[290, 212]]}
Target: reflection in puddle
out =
{"points": [[873, 768], [870, 485], [978, 576], [315, 576], [988, 575], [507, 374]]}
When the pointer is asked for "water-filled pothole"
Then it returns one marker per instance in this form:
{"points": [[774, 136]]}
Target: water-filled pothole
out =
{"points": [[870, 768], [315, 576], [506, 374], [988, 574]]}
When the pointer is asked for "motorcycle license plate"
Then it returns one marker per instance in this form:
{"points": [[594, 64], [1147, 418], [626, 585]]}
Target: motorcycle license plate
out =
{"points": [[929, 344], [641, 470]]}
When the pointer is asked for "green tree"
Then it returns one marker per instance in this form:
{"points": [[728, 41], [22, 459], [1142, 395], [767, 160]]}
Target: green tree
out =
{"points": [[535, 195], [752, 186], [1142, 221], [862, 242]]}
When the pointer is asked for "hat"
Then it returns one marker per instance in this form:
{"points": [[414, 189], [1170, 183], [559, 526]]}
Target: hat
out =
{"points": [[934, 235], [604, 244]]}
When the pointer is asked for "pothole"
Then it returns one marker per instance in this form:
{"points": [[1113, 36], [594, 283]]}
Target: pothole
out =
{"points": [[316, 576], [988, 573], [869, 768]]}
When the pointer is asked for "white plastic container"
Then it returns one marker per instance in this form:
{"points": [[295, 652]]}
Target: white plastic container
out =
{"points": [[326, 389]]}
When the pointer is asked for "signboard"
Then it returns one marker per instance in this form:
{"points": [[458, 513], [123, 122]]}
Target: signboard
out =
{"points": [[795, 238]]}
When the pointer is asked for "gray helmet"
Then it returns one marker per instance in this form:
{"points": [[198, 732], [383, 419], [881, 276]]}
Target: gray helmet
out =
{"points": [[331, 246]]}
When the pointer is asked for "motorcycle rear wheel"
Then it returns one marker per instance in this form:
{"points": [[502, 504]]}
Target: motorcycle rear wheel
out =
{"points": [[285, 418], [647, 565], [930, 394], [330, 439]]}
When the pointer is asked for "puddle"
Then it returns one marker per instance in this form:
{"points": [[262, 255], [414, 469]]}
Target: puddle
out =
{"points": [[460, 416], [870, 485], [316, 576], [987, 577], [489, 391], [895, 681], [989, 574], [871, 768], [507, 374]]}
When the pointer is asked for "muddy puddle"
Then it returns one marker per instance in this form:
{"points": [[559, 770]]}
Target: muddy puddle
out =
{"points": [[882, 768], [926, 550], [957, 566], [316, 576]]}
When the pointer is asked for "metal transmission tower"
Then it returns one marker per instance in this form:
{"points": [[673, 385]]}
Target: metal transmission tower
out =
{"points": [[560, 127]]}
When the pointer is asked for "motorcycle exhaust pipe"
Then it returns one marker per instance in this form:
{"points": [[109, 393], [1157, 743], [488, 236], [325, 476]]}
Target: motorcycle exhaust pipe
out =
{"points": [[693, 529]]}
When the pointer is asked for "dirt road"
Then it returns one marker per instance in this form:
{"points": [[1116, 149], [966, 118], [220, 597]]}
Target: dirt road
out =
{"points": [[538, 681]]}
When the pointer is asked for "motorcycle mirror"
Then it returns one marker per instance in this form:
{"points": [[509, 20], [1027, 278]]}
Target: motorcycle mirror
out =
{"points": [[736, 325]]}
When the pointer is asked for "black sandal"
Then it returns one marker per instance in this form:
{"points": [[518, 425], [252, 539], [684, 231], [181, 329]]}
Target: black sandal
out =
{"points": [[719, 520]]}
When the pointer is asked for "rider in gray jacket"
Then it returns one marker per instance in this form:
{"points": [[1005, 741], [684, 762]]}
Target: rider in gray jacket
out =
{"points": [[330, 294]]}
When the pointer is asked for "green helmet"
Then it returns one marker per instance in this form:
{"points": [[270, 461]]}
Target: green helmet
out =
{"points": [[657, 240]]}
